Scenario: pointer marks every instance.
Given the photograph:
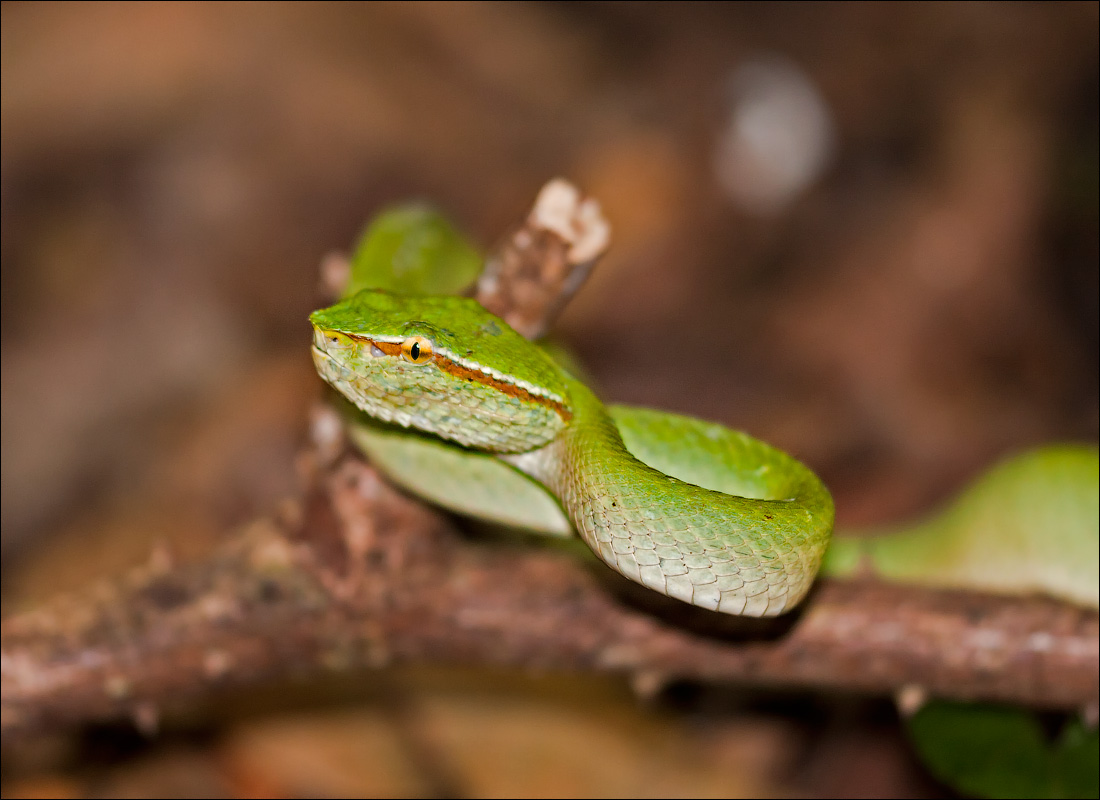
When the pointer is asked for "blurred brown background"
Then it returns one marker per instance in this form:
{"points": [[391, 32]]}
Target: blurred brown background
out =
{"points": [[867, 233]]}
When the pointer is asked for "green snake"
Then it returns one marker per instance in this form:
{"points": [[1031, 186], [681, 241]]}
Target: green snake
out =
{"points": [[463, 411]]}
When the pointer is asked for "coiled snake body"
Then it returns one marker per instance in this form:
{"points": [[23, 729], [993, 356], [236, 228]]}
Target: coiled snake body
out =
{"points": [[715, 518]]}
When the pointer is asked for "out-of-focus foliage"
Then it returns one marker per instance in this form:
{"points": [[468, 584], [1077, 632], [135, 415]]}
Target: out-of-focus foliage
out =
{"points": [[991, 751]]}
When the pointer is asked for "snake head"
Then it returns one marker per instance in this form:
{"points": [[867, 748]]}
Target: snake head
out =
{"points": [[443, 365]]}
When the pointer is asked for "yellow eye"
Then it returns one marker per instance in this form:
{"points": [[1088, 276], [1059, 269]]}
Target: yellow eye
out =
{"points": [[417, 349]]}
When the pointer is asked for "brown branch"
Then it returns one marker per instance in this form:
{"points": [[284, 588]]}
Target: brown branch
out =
{"points": [[368, 577], [357, 575]]}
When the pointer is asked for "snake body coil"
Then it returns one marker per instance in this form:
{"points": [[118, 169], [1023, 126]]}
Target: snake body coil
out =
{"points": [[735, 526]]}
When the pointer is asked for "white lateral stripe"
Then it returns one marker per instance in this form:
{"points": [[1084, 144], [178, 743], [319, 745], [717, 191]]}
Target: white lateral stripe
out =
{"points": [[500, 376], [474, 366]]}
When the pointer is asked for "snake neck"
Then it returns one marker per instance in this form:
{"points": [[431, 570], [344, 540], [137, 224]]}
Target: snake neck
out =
{"points": [[554, 464], [718, 551]]}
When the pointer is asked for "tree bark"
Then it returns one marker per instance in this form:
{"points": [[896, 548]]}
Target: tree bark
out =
{"points": [[361, 576]]}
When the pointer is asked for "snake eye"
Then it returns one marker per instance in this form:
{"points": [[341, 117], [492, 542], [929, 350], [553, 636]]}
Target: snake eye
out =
{"points": [[417, 349]]}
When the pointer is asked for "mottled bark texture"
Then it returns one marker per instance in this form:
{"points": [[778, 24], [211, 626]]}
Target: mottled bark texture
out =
{"points": [[360, 576]]}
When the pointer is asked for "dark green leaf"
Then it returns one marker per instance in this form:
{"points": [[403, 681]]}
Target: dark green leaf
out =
{"points": [[1077, 761], [989, 751]]}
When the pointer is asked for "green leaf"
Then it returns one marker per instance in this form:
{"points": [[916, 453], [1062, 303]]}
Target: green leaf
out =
{"points": [[991, 751], [1077, 761], [413, 249]]}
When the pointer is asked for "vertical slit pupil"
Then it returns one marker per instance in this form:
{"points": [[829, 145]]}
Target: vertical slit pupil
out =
{"points": [[414, 351]]}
